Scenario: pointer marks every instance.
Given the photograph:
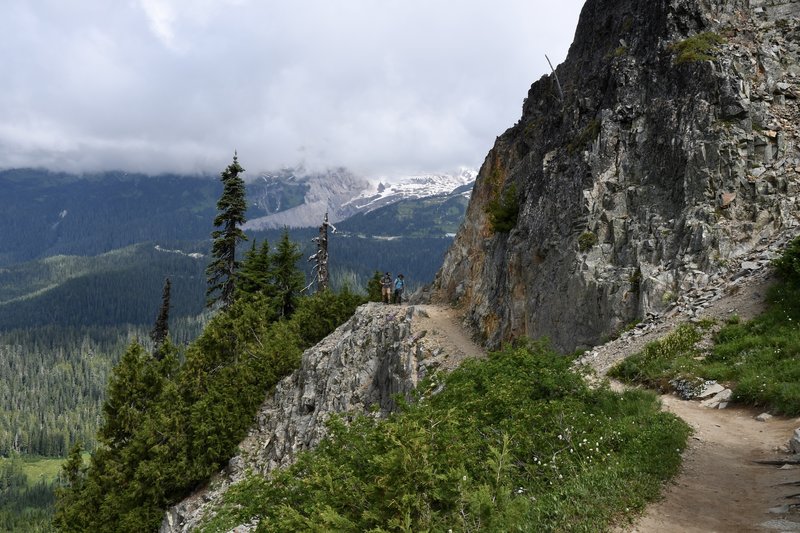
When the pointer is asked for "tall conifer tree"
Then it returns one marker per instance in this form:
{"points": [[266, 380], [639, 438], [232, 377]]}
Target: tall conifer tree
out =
{"points": [[161, 327], [289, 280], [232, 206]]}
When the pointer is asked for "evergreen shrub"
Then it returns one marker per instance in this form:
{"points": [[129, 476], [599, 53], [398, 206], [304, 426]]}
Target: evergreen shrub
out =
{"points": [[586, 240], [516, 442], [503, 210], [700, 47]]}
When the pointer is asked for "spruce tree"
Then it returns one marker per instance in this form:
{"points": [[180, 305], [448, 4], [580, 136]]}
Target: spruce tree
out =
{"points": [[288, 279], [132, 387], [374, 287], [255, 274], [161, 327], [232, 207], [69, 512]]}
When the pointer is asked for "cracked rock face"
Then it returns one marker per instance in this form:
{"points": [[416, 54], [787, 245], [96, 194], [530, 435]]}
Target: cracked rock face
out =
{"points": [[652, 174], [359, 368]]}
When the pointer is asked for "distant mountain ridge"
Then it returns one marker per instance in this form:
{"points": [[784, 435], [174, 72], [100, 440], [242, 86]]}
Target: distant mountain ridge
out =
{"points": [[294, 199], [44, 213]]}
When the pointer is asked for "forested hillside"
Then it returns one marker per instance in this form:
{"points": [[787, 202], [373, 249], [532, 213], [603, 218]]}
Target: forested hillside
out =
{"points": [[53, 381], [45, 214], [115, 288]]}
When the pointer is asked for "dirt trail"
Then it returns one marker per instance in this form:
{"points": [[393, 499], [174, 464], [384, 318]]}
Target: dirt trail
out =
{"points": [[720, 487], [443, 331]]}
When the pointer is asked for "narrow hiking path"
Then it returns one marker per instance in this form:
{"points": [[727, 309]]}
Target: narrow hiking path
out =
{"points": [[721, 487], [442, 330]]}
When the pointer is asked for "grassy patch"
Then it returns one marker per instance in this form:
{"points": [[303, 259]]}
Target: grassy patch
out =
{"points": [[759, 359], [516, 442], [663, 360]]}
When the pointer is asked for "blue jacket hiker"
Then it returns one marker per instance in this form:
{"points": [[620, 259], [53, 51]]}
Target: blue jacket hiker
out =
{"points": [[399, 286]]}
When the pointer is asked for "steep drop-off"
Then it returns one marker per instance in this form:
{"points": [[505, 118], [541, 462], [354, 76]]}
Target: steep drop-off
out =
{"points": [[382, 351], [669, 150]]}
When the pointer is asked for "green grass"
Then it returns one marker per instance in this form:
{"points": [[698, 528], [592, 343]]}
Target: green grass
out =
{"points": [[26, 493], [516, 442], [42, 468], [37, 468], [759, 360]]}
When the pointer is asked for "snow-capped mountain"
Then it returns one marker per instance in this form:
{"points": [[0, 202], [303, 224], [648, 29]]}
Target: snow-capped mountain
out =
{"points": [[412, 187], [296, 199]]}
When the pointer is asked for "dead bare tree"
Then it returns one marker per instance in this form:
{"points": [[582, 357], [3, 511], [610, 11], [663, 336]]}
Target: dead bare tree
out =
{"points": [[558, 83], [321, 257]]}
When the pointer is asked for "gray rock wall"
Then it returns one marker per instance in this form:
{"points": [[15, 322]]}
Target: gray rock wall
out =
{"points": [[650, 175], [358, 369]]}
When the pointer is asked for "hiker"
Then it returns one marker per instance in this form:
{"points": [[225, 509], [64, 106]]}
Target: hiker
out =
{"points": [[399, 285], [386, 288]]}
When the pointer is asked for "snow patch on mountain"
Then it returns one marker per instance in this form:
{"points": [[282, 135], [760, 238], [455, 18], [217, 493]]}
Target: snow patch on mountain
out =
{"points": [[419, 186], [385, 192], [193, 255], [341, 194]]}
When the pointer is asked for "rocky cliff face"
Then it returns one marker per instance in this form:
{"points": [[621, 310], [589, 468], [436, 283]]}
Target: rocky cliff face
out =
{"points": [[357, 369], [669, 152]]}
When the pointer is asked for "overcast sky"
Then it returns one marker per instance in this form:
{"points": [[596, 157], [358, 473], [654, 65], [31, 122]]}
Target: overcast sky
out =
{"points": [[383, 87]]}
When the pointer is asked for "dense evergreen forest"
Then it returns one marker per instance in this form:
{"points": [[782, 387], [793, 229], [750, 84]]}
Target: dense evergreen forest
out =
{"points": [[115, 288], [53, 381], [46, 214]]}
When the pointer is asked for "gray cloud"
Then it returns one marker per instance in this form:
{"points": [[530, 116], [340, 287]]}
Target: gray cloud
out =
{"points": [[379, 86]]}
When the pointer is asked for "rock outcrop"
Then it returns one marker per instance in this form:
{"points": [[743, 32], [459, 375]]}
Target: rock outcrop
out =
{"points": [[359, 368], [661, 152]]}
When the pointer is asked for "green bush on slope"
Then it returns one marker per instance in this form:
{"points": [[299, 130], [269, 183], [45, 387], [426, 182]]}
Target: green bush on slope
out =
{"points": [[700, 47], [516, 442], [759, 360]]}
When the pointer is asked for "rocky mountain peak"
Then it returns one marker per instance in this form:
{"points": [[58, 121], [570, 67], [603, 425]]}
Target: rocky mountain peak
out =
{"points": [[664, 149]]}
